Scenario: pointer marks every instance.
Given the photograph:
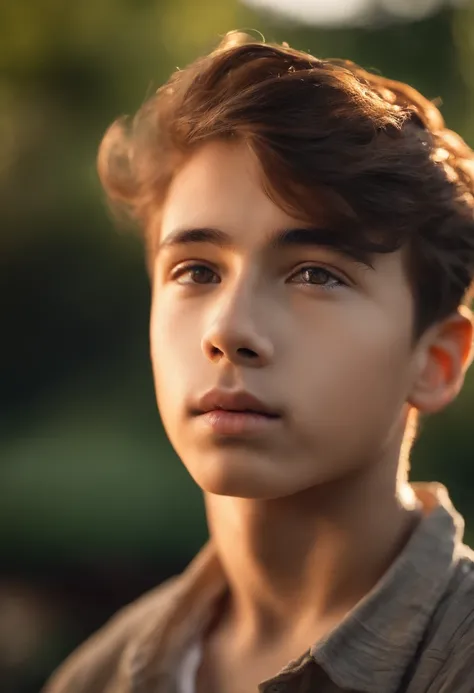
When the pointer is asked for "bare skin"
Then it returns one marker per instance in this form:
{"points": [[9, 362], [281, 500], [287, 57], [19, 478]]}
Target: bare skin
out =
{"points": [[295, 566], [307, 509]]}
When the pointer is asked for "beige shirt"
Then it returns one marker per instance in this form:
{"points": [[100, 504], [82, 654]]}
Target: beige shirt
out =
{"points": [[413, 633]]}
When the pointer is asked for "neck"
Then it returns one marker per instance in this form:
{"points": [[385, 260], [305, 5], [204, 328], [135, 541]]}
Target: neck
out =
{"points": [[299, 564]]}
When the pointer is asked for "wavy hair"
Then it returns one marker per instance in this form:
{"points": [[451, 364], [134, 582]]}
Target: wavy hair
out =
{"points": [[372, 153]]}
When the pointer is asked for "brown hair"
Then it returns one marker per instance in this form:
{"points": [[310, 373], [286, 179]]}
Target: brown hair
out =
{"points": [[374, 152]]}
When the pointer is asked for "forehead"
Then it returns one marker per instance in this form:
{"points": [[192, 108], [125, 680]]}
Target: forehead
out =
{"points": [[221, 186]]}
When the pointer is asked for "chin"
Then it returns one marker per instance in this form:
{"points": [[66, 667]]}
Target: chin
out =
{"points": [[234, 490], [238, 475]]}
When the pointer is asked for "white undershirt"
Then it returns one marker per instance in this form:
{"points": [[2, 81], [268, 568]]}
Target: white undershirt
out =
{"points": [[187, 672]]}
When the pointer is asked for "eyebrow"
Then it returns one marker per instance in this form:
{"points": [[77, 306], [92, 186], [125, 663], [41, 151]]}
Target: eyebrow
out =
{"points": [[295, 237]]}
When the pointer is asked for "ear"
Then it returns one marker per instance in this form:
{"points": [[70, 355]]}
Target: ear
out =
{"points": [[441, 360]]}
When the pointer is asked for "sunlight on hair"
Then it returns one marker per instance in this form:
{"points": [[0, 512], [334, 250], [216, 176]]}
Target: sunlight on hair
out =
{"points": [[352, 12]]}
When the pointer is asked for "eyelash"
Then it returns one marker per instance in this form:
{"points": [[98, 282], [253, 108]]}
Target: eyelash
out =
{"points": [[338, 282], [187, 269], [182, 270]]}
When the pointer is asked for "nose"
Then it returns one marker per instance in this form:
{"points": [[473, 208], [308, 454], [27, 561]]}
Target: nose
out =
{"points": [[236, 334]]}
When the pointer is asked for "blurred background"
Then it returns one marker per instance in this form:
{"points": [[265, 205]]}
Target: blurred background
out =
{"points": [[94, 506]]}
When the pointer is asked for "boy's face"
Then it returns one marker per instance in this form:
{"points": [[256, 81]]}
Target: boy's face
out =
{"points": [[324, 342]]}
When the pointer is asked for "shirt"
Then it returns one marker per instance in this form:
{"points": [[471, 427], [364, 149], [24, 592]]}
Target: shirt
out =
{"points": [[413, 633], [188, 669]]}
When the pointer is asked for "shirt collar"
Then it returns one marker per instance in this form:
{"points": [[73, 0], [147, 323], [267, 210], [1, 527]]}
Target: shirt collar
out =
{"points": [[368, 651]]}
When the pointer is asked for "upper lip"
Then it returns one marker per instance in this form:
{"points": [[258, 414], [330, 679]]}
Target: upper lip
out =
{"points": [[233, 401]]}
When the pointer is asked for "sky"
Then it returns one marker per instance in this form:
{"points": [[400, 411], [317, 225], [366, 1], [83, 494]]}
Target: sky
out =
{"points": [[351, 12]]}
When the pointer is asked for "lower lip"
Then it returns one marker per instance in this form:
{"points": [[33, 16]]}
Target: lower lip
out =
{"points": [[232, 423]]}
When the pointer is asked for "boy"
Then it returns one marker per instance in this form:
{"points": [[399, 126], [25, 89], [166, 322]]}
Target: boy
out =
{"points": [[310, 237]]}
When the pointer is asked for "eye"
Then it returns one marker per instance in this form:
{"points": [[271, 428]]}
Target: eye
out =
{"points": [[195, 274], [318, 276]]}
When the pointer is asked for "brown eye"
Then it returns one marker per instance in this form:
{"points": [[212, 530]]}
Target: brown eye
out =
{"points": [[196, 274], [318, 276]]}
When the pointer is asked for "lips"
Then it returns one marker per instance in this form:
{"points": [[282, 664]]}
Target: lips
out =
{"points": [[232, 416], [234, 402]]}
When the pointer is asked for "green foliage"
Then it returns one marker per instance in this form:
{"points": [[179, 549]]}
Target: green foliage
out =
{"points": [[90, 485], [85, 467]]}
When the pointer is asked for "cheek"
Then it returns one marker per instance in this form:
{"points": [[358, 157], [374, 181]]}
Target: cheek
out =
{"points": [[163, 348], [167, 329], [175, 349], [358, 367]]}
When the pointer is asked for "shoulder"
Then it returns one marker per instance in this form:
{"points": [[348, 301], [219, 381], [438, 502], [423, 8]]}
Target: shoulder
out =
{"points": [[456, 612], [451, 645], [95, 664], [456, 672]]}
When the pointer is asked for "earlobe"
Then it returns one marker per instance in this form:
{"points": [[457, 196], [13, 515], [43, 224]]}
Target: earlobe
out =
{"points": [[440, 364]]}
